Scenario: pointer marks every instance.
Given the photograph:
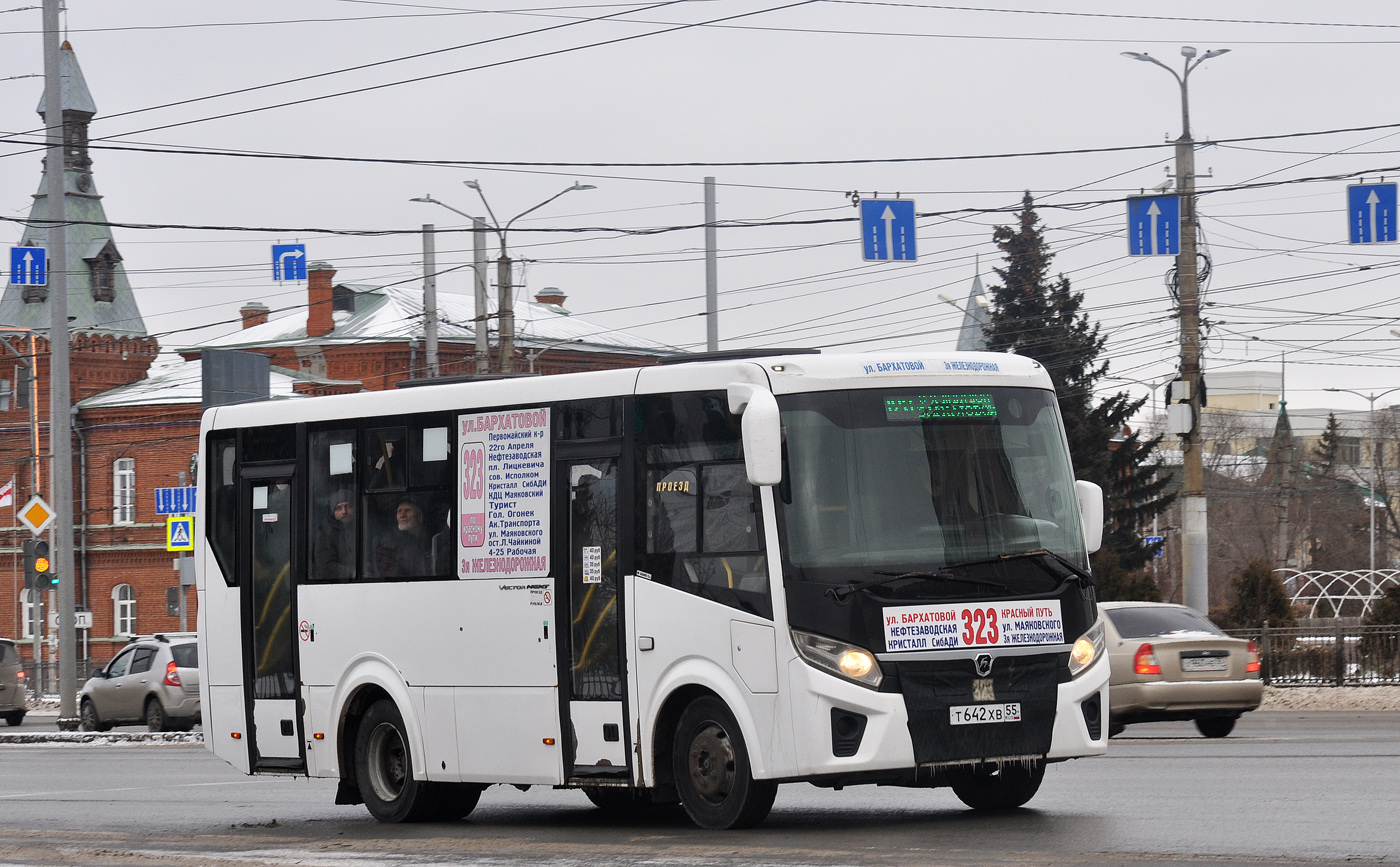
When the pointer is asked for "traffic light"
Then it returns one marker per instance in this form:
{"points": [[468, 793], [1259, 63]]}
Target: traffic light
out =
{"points": [[38, 568]]}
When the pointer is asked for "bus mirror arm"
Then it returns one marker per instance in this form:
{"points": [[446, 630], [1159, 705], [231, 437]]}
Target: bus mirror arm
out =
{"points": [[763, 454], [1090, 497]]}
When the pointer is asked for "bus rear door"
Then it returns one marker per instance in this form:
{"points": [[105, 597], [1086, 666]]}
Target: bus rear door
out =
{"points": [[269, 617]]}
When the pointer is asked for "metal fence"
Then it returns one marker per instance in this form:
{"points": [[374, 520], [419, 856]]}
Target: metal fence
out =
{"points": [[44, 681], [1344, 654]]}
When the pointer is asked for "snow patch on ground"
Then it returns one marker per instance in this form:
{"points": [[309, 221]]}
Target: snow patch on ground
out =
{"points": [[1331, 698]]}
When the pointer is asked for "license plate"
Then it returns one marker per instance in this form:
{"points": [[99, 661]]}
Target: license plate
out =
{"points": [[973, 714], [1205, 663]]}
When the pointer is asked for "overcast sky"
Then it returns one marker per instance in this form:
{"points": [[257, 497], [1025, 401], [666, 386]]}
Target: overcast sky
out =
{"points": [[890, 96]]}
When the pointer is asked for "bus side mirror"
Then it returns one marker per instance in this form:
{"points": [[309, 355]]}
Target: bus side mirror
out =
{"points": [[1090, 497], [763, 446]]}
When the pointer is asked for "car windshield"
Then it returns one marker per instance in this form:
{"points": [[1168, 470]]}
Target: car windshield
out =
{"points": [[1148, 622], [899, 480], [185, 655]]}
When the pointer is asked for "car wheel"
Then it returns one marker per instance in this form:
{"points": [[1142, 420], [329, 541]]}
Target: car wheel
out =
{"points": [[1115, 728], [15, 718], [989, 787], [1216, 726], [384, 768], [155, 716], [711, 767], [91, 722]]}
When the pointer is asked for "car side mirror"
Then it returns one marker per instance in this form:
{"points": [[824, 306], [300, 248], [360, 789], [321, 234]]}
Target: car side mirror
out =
{"points": [[98, 672], [1090, 497], [762, 432]]}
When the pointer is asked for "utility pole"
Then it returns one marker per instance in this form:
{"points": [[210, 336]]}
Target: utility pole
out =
{"points": [[1195, 544], [711, 270], [60, 424], [505, 310], [430, 315], [483, 346]]}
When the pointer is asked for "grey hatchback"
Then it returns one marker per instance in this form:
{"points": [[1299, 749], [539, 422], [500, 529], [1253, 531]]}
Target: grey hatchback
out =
{"points": [[12, 697], [154, 680]]}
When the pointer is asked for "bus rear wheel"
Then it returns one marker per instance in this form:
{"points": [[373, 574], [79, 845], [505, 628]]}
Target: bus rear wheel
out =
{"points": [[992, 787], [711, 767], [384, 769]]}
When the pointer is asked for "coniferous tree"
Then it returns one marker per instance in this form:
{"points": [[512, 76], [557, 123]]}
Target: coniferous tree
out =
{"points": [[1256, 595], [1325, 453], [1040, 317]]}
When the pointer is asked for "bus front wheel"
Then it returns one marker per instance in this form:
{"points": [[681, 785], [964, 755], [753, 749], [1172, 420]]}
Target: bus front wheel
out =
{"points": [[711, 767], [384, 768]]}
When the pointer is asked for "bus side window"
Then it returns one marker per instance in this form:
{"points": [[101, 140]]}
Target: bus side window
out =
{"points": [[333, 518], [703, 535], [407, 503], [221, 499]]}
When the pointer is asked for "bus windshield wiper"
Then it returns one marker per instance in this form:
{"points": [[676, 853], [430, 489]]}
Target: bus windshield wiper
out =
{"points": [[843, 594], [1083, 577]]}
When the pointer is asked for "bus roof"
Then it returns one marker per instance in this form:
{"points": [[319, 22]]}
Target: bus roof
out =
{"points": [[785, 374]]}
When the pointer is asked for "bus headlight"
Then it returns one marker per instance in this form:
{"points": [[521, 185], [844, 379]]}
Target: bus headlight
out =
{"points": [[1088, 648], [843, 660]]}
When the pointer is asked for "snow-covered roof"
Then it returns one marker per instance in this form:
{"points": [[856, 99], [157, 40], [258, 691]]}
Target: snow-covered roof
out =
{"points": [[171, 379], [395, 313]]}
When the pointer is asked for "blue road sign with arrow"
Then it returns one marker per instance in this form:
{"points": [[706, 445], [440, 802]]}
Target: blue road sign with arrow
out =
{"points": [[887, 230], [288, 262], [29, 266], [1154, 226], [1371, 213]]}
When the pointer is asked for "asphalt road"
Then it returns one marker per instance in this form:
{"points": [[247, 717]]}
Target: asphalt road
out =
{"points": [[1285, 788]]}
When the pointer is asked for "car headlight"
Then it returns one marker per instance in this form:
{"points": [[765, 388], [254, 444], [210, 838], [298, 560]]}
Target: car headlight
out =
{"points": [[1088, 648], [853, 663]]}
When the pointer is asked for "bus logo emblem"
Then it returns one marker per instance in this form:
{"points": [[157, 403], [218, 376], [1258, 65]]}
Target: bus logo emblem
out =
{"points": [[983, 664]]}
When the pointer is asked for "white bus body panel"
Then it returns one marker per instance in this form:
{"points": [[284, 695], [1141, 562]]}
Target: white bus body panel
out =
{"points": [[691, 644], [482, 649]]}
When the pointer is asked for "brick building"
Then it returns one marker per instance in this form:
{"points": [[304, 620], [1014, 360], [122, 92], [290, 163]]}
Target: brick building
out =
{"points": [[136, 416]]}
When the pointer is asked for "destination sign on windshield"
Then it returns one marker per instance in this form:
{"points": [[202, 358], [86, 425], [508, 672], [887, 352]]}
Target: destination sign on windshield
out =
{"points": [[922, 406]]}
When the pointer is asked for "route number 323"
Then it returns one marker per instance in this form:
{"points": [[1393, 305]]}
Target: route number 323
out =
{"points": [[980, 626]]}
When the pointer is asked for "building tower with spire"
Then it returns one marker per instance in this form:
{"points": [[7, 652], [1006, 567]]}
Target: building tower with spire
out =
{"points": [[108, 342]]}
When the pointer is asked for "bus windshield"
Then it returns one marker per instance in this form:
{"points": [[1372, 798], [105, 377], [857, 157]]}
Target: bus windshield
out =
{"points": [[890, 481]]}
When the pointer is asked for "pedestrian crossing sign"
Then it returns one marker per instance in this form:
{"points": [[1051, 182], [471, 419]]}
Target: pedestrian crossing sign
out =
{"points": [[179, 533]]}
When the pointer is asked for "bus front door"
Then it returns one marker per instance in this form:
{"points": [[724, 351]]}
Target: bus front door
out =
{"points": [[269, 623], [595, 664]]}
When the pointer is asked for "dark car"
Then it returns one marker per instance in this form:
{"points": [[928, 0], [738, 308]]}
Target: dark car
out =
{"points": [[154, 680]]}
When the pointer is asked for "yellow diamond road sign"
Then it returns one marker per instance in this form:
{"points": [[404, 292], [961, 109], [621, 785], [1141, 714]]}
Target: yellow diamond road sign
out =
{"points": [[179, 533], [36, 514]]}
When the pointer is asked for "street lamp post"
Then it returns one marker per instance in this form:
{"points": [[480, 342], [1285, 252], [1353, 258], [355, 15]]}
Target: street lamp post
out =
{"points": [[483, 349], [505, 300], [1371, 497], [1195, 550]]}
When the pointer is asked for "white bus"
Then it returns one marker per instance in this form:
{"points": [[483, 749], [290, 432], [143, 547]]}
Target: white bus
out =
{"points": [[689, 582]]}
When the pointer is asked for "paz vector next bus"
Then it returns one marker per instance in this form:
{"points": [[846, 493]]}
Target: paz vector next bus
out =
{"points": [[682, 583]]}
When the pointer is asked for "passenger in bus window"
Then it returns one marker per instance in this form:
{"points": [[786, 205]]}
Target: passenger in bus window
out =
{"points": [[333, 557], [404, 551]]}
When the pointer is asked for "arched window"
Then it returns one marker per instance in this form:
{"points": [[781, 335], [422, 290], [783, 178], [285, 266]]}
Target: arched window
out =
{"points": [[124, 610], [26, 600]]}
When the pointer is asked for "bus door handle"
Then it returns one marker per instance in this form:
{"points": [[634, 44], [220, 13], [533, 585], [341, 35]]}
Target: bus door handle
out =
{"points": [[645, 642]]}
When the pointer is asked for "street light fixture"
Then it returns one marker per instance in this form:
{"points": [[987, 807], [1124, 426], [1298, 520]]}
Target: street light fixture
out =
{"points": [[1371, 498], [506, 302], [1195, 547]]}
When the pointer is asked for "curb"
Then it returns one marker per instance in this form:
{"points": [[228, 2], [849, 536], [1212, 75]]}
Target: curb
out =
{"points": [[102, 738]]}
